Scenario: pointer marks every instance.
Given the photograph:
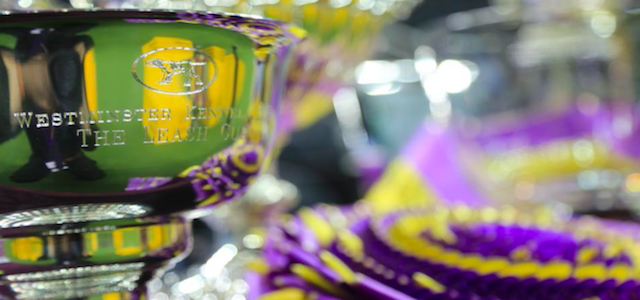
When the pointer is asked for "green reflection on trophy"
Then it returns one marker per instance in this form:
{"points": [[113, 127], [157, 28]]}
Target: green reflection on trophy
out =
{"points": [[115, 127]]}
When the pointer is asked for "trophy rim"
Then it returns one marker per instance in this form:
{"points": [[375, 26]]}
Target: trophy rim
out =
{"points": [[287, 34], [110, 13], [29, 199]]}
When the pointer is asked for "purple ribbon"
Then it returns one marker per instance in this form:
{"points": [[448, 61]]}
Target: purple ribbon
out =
{"points": [[435, 153]]}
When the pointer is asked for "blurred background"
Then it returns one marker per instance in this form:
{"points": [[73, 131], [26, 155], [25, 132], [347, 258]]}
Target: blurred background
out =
{"points": [[373, 121]]}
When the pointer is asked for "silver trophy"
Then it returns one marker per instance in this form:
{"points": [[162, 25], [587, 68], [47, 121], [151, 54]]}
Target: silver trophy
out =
{"points": [[117, 128]]}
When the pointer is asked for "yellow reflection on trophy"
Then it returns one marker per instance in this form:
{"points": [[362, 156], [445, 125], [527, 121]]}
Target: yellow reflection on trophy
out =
{"points": [[227, 87], [171, 121]]}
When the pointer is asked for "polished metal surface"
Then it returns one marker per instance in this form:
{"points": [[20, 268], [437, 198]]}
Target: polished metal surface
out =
{"points": [[116, 128], [91, 259], [125, 107], [72, 214]]}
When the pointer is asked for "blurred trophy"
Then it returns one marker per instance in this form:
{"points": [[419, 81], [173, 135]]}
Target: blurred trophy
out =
{"points": [[117, 128], [541, 99]]}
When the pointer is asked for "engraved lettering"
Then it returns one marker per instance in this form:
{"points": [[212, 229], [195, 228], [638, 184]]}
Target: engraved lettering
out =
{"points": [[165, 114], [205, 113], [162, 135], [98, 115], [202, 114], [213, 112], [139, 112], [90, 117], [228, 113], [42, 120], [190, 110], [104, 137], [113, 116], [147, 138], [231, 132], [69, 116], [83, 133], [23, 120], [56, 119], [127, 116], [202, 133], [119, 137], [153, 114], [225, 131], [190, 135], [111, 137], [176, 137]]}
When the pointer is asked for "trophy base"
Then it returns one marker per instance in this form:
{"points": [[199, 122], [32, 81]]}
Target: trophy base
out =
{"points": [[79, 253], [72, 214], [120, 281]]}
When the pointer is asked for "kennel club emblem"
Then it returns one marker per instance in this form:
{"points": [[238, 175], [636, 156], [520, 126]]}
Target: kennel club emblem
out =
{"points": [[163, 73]]}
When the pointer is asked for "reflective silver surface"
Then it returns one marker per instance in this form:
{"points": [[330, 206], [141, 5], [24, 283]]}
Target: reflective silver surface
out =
{"points": [[117, 127], [101, 103]]}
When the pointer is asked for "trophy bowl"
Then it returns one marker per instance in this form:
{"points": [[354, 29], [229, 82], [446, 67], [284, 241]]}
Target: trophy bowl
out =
{"points": [[117, 128]]}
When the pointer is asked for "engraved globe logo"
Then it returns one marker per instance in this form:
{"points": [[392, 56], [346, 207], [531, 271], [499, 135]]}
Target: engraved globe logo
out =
{"points": [[175, 70]]}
